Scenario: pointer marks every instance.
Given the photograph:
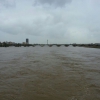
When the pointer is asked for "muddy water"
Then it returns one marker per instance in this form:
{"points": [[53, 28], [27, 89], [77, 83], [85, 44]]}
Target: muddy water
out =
{"points": [[49, 73]]}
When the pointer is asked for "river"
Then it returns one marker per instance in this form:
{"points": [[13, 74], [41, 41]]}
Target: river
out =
{"points": [[49, 73]]}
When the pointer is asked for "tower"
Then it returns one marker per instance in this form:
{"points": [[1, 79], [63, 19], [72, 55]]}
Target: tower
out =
{"points": [[47, 41], [27, 41]]}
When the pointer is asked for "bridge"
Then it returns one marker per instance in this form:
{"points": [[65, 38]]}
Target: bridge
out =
{"points": [[49, 45]]}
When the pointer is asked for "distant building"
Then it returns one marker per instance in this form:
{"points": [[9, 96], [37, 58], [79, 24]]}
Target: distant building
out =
{"points": [[97, 43], [27, 41], [10, 42], [24, 43]]}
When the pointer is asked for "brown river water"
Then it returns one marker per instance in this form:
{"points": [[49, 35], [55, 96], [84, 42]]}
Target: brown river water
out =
{"points": [[49, 73]]}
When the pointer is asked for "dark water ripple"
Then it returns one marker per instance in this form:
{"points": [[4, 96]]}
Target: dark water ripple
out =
{"points": [[35, 73]]}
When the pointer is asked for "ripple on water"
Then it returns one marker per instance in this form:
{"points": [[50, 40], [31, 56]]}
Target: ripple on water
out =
{"points": [[49, 74]]}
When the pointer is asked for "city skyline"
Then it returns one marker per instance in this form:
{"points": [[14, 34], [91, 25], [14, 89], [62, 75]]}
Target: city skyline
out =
{"points": [[59, 21], [26, 41]]}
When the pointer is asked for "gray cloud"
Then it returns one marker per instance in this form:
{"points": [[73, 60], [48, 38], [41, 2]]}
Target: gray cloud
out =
{"points": [[7, 3], [58, 3], [71, 24]]}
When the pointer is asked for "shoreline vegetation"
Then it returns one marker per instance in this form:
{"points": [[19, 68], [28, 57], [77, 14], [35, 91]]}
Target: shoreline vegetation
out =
{"points": [[4, 44]]}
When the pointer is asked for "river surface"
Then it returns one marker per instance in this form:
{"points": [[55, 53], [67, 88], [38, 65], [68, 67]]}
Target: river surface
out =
{"points": [[49, 73]]}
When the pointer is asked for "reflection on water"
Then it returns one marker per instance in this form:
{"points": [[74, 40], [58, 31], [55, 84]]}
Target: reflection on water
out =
{"points": [[36, 73]]}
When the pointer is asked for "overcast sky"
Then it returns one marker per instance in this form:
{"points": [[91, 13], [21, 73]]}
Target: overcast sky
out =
{"points": [[59, 21]]}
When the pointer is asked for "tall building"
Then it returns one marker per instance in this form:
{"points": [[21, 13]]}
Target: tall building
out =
{"points": [[27, 41]]}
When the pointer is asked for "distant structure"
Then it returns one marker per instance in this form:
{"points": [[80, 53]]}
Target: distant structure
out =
{"points": [[27, 41], [47, 41], [23, 42]]}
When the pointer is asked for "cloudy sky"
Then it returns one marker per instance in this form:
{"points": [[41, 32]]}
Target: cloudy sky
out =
{"points": [[59, 21]]}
